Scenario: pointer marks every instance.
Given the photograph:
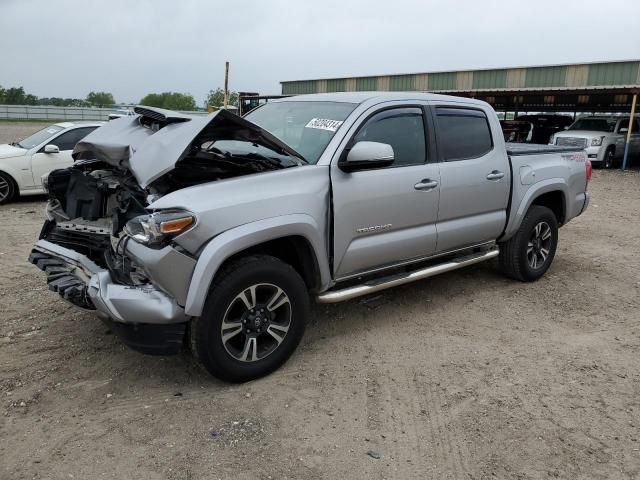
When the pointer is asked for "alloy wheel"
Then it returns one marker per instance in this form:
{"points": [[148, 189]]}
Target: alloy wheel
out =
{"points": [[539, 245], [5, 188], [256, 322]]}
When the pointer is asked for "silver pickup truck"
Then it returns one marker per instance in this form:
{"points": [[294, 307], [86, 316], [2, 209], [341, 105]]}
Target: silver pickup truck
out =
{"points": [[214, 232]]}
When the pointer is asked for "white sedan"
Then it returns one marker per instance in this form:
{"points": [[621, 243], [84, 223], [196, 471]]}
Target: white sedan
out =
{"points": [[24, 163]]}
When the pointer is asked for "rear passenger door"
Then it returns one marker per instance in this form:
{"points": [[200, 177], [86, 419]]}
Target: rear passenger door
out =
{"points": [[383, 216], [474, 174]]}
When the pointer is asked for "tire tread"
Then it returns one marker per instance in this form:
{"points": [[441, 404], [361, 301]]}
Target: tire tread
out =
{"points": [[196, 329], [13, 188], [509, 256]]}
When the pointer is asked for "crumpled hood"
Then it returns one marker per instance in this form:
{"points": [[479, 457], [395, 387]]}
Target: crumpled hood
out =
{"points": [[7, 151], [152, 142]]}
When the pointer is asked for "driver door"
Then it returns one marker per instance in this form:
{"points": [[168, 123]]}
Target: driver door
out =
{"points": [[384, 216], [43, 163]]}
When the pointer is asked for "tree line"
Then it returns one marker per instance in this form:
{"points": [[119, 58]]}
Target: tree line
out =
{"points": [[184, 101], [168, 100], [18, 96]]}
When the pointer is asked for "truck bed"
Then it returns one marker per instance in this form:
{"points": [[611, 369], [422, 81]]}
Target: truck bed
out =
{"points": [[534, 149]]}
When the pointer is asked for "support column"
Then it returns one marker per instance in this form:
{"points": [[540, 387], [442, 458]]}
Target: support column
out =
{"points": [[631, 119]]}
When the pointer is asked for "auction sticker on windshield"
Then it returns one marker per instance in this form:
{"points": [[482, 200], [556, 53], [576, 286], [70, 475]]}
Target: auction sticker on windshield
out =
{"points": [[324, 124]]}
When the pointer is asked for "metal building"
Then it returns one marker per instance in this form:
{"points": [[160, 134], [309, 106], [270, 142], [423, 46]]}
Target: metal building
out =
{"points": [[585, 87]]}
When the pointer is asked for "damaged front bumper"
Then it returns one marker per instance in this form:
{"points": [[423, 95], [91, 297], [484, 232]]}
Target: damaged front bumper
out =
{"points": [[133, 310]]}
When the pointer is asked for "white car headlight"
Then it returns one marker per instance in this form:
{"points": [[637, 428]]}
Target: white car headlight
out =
{"points": [[156, 229], [596, 142]]}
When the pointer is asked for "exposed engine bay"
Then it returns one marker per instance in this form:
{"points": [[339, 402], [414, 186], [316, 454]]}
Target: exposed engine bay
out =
{"points": [[89, 205], [101, 203]]}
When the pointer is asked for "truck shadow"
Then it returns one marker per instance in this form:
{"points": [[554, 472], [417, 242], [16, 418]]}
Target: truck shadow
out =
{"points": [[420, 297], [327, 324], [36, 199]]}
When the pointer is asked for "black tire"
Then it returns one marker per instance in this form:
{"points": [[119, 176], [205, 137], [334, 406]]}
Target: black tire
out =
{"points": [[223, 359], [516, 255], [609, 159], [8, 188]]}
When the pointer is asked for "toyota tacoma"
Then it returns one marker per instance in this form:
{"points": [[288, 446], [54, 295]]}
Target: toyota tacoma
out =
{"points": [[216, 232]]}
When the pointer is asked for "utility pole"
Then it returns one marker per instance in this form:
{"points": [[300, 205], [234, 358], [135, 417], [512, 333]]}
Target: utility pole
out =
{"points": [[628, 140], [226, 85]]}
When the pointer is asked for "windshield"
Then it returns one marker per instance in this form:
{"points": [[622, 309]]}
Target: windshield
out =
{"points": [[307, 127], [243, 148], [596, 124], [39, 137]]}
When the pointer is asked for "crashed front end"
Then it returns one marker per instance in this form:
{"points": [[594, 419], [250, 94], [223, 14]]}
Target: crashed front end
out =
{"points": [[105, 248]]}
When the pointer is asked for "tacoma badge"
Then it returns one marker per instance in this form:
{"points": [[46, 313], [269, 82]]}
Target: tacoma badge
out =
{"points": [[375, 228]]}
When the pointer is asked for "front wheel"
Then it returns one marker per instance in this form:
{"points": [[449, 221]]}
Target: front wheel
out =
{"points": [[528, 254], [7, 188], [608, 159], [253, 319]]}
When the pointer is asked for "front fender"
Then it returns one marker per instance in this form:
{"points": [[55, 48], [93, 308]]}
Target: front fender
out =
{"points": [[248, 235], [518, 211], [19, 169]]}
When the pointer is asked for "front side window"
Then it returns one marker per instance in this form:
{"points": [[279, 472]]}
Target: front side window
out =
{"points": [[68, 140], [463, 133], [403, 129]]}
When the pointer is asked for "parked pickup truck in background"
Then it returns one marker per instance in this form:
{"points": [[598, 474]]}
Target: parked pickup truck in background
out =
{"points": [[216, 231], [603, 138], [545, 125]]}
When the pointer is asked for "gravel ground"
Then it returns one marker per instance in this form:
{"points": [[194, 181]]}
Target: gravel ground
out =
{"points": [[467, 375], [14, 131]]}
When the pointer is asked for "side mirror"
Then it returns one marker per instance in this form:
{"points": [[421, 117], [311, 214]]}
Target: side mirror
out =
{"points": [[623, 130], [566, 128], [51, 149], [367, 155]]}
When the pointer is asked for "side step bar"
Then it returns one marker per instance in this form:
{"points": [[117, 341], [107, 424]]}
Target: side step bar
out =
{"points": [[335, 296]]}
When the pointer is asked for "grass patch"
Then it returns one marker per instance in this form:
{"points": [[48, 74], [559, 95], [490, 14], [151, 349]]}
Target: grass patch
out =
{"points": [[9, 121]]}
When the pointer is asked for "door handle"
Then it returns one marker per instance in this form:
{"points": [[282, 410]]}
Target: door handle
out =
{"points": [[495, 175], [426, 184]]}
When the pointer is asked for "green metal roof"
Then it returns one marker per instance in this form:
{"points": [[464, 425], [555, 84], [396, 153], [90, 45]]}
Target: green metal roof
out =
{"points": [[616, 74]]}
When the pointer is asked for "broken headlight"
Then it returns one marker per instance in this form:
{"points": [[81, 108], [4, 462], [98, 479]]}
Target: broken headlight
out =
{"points": [[156, 229]]}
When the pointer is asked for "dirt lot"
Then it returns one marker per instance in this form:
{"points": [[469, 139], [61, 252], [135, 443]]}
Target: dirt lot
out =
{"points": [[464, 376]]}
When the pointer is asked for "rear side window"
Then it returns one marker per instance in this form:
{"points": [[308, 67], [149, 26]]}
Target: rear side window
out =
{"points": [[463, 133], [403, 129]]}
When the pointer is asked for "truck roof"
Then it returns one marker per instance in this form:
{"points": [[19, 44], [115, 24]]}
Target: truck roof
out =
{"points": [[361, 97]]}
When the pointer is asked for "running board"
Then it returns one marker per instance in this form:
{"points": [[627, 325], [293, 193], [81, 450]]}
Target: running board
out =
{"points": [[335, 296]]}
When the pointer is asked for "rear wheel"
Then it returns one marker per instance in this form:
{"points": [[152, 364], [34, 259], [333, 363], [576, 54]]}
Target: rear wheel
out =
{"points": [[529, 253], [608, 158], [253, 319], [8, 188]]}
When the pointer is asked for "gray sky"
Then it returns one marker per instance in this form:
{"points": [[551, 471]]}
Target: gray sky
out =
{"points": [[66, 48]]}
